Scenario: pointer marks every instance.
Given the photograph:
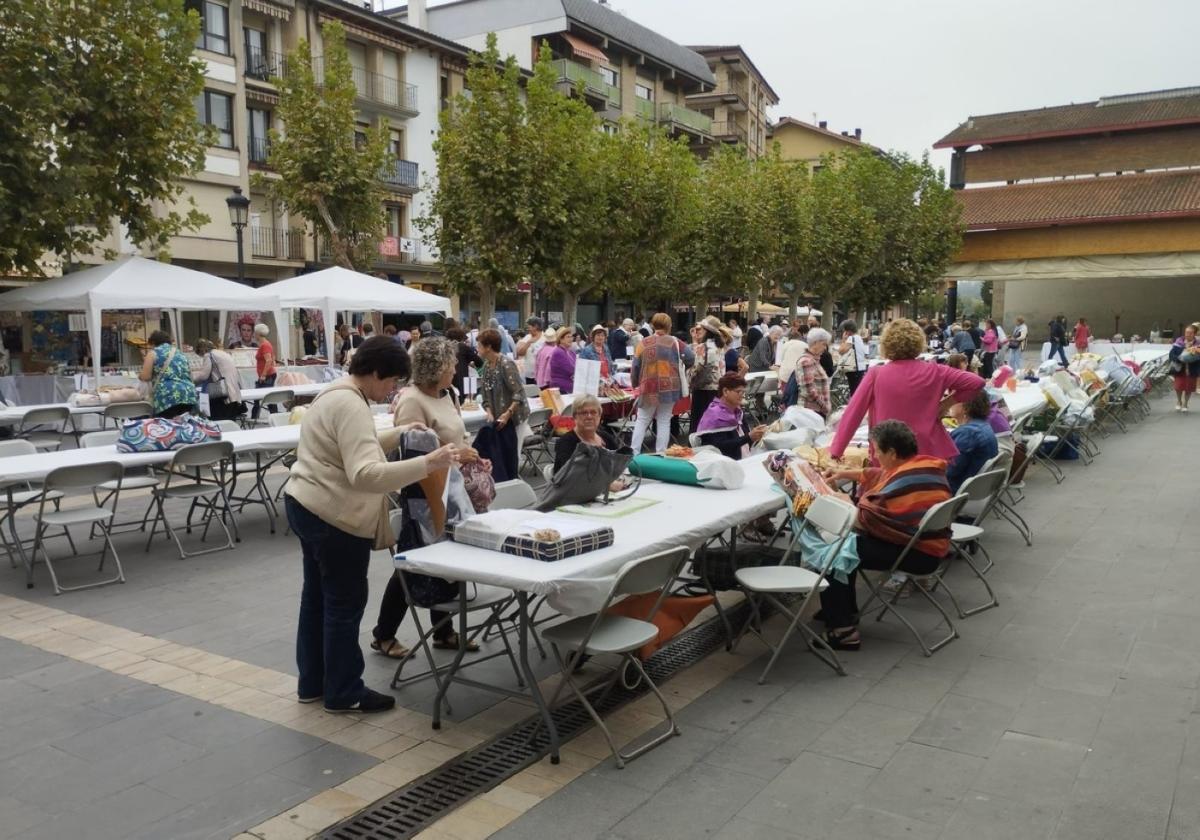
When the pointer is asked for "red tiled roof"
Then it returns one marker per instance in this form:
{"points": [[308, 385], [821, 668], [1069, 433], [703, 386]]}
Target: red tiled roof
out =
{"points": [[1180, 106], [1153, 195]]}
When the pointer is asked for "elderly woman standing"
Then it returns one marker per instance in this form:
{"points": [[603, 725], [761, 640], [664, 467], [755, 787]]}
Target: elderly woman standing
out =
{"points": [[336, 504], [598, 351], [812, 382], [217, 366], [908, 390], [167, 369], [707, 347], [560, 369], [502, 395], [428, 402], [1184, 373], [656, 374]]}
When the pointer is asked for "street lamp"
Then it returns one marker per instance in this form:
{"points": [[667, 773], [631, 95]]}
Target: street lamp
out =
{"points": [[239, 213]]}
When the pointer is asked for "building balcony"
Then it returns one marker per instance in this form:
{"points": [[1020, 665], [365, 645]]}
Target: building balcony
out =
{"points": [[277, 243], [684, 119], [264, 65], [733, 94], [403, 175], [590, 82], [643, 109], [728, 131], [258, 149], [378, 90], [393, 251]]}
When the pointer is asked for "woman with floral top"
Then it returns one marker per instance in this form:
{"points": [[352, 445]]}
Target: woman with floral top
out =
{"points": [[502, 395], [165, 366]]}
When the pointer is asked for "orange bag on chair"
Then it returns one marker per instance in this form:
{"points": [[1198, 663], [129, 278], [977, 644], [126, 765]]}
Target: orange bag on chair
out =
{"points": [[675, 614]]}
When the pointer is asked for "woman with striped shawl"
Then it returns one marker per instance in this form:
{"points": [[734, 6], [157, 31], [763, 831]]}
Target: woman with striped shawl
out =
{"points": [[892, 498]]}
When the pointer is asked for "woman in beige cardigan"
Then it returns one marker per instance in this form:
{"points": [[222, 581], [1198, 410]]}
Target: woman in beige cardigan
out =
{"points": [[336, 504]]}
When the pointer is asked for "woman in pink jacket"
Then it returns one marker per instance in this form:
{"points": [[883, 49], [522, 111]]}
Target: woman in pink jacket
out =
{"points": [[909, 390]]}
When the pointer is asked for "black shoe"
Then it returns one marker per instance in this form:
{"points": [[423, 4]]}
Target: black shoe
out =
{"points": [[371, 701], [313, 699]]}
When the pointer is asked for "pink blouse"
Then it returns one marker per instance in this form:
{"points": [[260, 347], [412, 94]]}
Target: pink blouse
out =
{"points": [[990, 342], [911, 391]]}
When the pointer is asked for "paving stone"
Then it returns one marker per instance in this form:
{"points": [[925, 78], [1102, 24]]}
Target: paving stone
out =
{"points": [[867, 734], [17, 816], [765, 746], [982, 816], [1029, 769], [707, 796], [115, 817], [810, 796], [579, 811], [912, 687], [923, 783], [823, 698], [326, 766], [867, 823], [730, 705], [226, 813], [654, 769], [964, 724], [1060, 715], [742, 829]]}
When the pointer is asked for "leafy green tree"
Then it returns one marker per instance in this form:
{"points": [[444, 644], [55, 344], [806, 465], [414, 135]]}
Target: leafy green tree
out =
{"points": [[784, 191], [328, 176], [478, 215], [97, 123]]}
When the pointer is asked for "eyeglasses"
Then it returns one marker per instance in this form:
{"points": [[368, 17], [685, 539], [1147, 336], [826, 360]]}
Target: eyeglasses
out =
{"points": [[587, 412]]}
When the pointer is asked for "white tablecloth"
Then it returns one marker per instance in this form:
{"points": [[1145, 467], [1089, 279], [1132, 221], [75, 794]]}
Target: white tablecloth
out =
{"points": [[578, 585], [1027, 399], [252, 394], [11, 415]]}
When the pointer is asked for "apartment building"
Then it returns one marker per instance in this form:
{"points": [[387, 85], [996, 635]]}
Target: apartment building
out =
{"points": [[1090, 209], [404, 76], [621, 68], [807, 143], [738, 103]]}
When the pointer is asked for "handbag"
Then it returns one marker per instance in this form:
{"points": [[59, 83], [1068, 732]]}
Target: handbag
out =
{"points": [[586, 476], [481, 487], [217, 388], [684, 390], [161, 434]]}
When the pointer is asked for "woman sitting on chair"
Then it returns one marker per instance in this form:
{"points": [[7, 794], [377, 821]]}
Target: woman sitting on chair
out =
{"points": [[891, 501], [724, 424], [974, 437], [588, 431]]}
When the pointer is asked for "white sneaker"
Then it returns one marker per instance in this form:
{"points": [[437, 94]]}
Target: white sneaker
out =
{"points": [[1184, 409], [1178, 407]]}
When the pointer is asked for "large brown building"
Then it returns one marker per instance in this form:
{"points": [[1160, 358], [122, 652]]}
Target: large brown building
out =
{"points": [[1089, 209], [738, 104]]}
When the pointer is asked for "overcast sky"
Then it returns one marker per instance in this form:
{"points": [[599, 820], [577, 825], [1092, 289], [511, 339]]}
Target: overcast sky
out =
{"points": [[908, 71]]}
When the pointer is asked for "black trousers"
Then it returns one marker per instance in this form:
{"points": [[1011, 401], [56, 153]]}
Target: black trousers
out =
{"points": [[393, 609], [700, 402], [988, 366], [176, 411], [853, 377], [839, 601]]}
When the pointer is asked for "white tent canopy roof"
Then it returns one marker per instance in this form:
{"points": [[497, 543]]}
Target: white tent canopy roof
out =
{"points": [[134, 282], [340, 289]]}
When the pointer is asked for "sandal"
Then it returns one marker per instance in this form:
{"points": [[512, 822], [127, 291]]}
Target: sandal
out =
{"points": [[390, 648], [845, 640], [451, 643]]}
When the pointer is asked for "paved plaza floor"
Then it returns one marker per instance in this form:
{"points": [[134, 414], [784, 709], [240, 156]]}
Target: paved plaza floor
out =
{"points": [[163, 708]]}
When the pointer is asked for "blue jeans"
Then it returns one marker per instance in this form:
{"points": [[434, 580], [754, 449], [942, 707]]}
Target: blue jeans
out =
{"points": [[332, 602]]}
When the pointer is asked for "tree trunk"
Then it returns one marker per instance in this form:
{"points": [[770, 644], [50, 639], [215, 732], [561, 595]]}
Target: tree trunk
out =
{"points": [[487, 302], [828, 302], [752, 307], [701, 309], [793, 305], [570, 304]]}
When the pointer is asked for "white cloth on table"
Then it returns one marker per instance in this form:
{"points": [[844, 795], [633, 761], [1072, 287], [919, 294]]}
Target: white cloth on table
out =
{"points": [[578, 585]]}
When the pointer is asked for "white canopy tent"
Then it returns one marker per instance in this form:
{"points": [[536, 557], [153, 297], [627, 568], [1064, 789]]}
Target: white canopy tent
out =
{"points": [[339, 289], [134, 282]]}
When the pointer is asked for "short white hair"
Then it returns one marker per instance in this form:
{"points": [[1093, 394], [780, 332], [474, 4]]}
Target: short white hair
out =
{"points": [[262, 329], [817, 334], [775, 331]]}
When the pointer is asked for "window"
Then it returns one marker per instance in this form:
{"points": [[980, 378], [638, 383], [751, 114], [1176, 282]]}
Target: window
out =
{"points": [[257, 63], [258, 140], [395, 219], [216, 109], [643, 92], [396, 143], [214, 26], [609, 75], [609, 128], [444, 91], [360, 135]]}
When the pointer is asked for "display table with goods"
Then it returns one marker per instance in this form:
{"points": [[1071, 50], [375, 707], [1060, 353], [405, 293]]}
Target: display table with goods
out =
{"points": [[677, 515]]}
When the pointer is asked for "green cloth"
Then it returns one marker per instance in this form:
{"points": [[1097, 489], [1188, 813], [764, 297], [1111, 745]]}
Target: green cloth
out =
{"points": [[670, 470]]}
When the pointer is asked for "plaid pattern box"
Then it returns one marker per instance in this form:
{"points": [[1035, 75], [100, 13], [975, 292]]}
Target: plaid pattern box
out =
{"points": [[526, 546]]}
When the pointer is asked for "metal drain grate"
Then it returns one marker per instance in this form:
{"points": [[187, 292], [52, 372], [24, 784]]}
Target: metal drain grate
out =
{"points": [[414, 807]]}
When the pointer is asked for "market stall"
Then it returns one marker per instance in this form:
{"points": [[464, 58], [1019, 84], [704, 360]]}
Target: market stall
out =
{"points": [[134, 282], [338, 289]]}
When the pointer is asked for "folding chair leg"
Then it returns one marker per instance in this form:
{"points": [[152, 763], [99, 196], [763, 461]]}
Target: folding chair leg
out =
{"points": [[831, 659], [671, 730], [570, 683], [889, 606]]}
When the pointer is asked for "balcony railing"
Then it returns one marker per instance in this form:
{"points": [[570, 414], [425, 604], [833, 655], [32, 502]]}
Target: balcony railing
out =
{"points": [[643, 109], [728, 130], [686, 118], [383, 257], [277, 243], [377, 88], [263, 65], [593, 83], [258, 148], [401, 173]]}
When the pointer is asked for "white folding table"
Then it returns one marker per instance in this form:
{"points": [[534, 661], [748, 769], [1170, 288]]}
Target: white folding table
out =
{"points": [[578, 585]]}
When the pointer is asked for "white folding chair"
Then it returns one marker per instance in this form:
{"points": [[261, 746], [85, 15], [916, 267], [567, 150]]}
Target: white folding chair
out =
{"points": [[1014, 492], [88, 476], [117, 412], [45, 427], [227, 426], [938, 518], [826, 515], [137, 480], [981, 491], [186, 481], [603, 634], [535, 448], [280, 399], [513, 495], [17, 496]]}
